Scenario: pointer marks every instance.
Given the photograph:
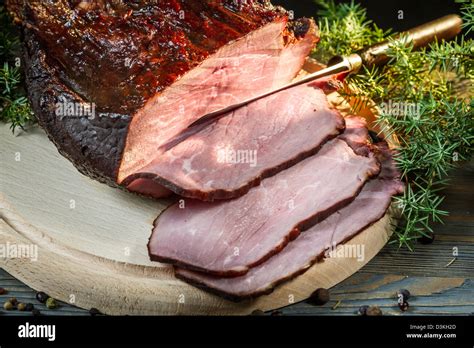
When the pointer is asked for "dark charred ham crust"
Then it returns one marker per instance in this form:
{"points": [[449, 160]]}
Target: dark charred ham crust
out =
{"points": [[15, 9], [93, 146], [300, 27], [140, 47], [225, 194]]}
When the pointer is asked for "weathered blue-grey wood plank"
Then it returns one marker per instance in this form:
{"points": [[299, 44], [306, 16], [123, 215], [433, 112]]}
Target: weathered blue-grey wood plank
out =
{"points": [[26, 295], [430, 296]]}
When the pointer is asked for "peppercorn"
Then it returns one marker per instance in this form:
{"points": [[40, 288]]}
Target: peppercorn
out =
{"points": [[319, 297], [51, 303], [41, 296], [363, 310], [29, 307], [3, 291], [403, 306], [94, 311], [373, 311], [374, 137], [35, 312], [404, 294], [13, 300], [428, 239], [258, 312], [276, 314], [8, 306], [21, 306]]}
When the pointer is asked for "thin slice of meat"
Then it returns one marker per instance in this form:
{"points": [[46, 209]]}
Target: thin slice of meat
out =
{"points": [[126, 57], [357, 135], [260, 61], [119, 54], [228, 238], [232, 155], [369, 206]]}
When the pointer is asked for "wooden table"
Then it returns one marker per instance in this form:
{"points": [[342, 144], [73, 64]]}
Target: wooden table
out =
{"points": [[437, 288]]}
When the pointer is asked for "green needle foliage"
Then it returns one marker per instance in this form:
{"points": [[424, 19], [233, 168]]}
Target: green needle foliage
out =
{"points": [[436, 133], [344, 29], [14, 106], [467, 11]]}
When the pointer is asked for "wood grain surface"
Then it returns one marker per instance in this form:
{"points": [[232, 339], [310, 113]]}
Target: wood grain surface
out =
{"points": [[436, 289]]}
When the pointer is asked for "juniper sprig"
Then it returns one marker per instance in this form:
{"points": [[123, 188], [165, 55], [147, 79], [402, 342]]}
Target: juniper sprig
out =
{"points": [[14, 106], [438, 80]]}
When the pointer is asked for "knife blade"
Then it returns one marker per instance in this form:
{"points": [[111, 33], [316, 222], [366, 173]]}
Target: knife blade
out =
{"points": [[351, 63], [442, 28]]}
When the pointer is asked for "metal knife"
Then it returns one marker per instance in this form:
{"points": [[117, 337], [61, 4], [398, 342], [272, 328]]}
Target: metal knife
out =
{"points": [[444, 28]]}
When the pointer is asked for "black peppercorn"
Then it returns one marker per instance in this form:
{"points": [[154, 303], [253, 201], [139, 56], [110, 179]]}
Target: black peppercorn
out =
{"points": [[35, 312], [3, 291], [403, 295], [42, 297], [403, 306], [374, 137], [258, 312], [29, 307], [363, 310], [276, 314], [319, 297], [94, 311]]}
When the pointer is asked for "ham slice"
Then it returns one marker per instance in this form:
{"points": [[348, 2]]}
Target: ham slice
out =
{"points": [[148, 69], [369, 206], [233, 154], [264, 59], [228, 238]]}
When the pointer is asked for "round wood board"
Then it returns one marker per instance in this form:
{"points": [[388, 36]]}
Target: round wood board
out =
{"points": [[91, 239]]}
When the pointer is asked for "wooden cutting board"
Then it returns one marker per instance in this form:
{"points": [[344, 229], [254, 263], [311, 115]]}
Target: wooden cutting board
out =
{"points": [[91, 239]]}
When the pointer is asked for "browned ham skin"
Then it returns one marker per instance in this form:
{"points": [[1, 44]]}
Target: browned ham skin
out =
{"points": [[118, 54]]}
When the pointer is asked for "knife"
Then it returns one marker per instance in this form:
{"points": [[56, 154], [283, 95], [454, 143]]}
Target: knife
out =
{"points": [[444, 28]]}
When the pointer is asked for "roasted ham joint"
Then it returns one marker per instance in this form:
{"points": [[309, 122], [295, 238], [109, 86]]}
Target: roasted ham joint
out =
{"points": [[261, 192]]}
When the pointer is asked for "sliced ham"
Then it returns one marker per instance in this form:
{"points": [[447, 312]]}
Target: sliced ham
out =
{"points": [[262, 60], [232, 155], [149, 68], [369, 206], [228, 238]]}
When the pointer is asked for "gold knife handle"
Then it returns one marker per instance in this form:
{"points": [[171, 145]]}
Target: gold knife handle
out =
{"points": [[443, 28]]}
